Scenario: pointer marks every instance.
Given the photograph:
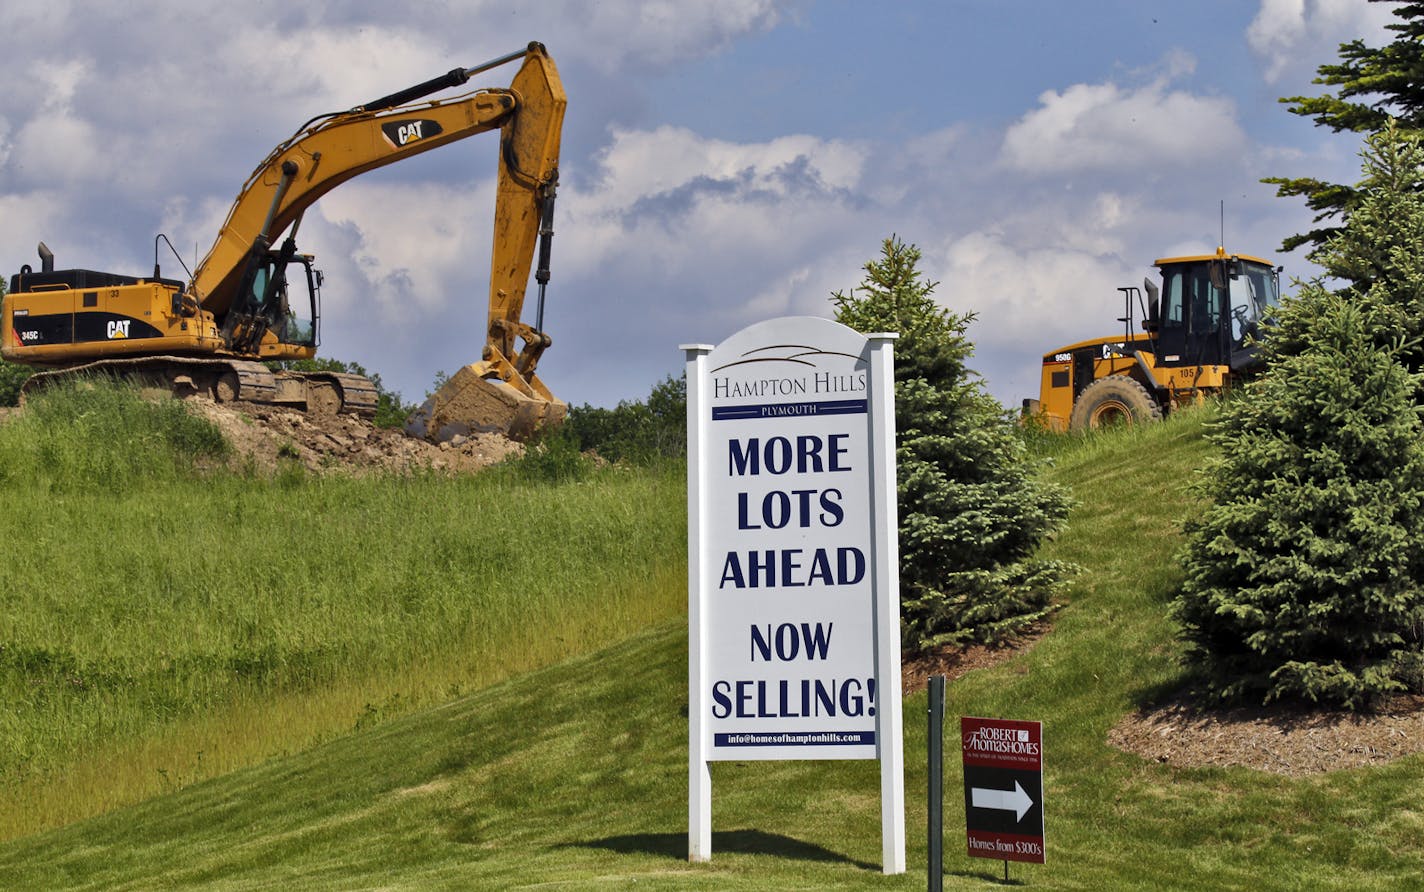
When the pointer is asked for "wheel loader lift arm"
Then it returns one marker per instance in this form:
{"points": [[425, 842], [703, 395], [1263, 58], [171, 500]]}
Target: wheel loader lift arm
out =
{"points": [[331, 149]]}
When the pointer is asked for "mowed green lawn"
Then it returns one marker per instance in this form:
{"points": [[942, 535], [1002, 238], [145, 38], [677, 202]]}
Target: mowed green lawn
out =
{"points": [[574, 775]]}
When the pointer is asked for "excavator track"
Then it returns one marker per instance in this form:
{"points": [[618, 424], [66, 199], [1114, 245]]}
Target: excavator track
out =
{"points": [[226, 381]]}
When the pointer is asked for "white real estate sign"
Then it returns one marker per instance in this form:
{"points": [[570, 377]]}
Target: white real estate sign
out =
{"points": [[793, 589]]}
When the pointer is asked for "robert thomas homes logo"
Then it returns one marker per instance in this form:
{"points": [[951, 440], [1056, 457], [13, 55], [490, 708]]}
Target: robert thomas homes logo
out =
{"points": [[1002, 742]]}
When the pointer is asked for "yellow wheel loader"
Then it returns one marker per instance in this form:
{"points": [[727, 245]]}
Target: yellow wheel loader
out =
{"points": [[1198, 334], [249, 302]]}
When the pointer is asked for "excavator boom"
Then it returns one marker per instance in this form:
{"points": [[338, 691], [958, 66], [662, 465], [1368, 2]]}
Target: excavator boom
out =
{"points": [[333, 148]]}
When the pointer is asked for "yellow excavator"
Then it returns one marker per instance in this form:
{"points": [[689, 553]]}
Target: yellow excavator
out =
{"points": [[243, 306], [1199, 335]]}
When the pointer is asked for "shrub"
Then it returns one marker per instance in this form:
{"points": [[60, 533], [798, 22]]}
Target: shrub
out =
{"points": [[12, 377], [553, 457], [636, 431]]}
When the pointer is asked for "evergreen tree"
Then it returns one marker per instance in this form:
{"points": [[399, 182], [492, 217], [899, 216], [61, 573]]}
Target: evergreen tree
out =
{"points": [[1305, 575], [1373, 85], [1379, 256], [972, 510]]}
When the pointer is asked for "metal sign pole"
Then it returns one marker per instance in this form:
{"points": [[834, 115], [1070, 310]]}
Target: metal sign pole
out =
{"points": [[936, 785]]}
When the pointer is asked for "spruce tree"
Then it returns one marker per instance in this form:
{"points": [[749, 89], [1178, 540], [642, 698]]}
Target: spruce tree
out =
{"points": [[1305, 575], [1378, 258], [972, 509], [1372, 85]]}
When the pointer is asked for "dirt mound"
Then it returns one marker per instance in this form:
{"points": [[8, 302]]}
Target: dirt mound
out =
{"points": [[268, 436]]}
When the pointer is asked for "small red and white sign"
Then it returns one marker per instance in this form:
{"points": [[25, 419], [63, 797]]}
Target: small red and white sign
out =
{"points": [[1003, 788]]}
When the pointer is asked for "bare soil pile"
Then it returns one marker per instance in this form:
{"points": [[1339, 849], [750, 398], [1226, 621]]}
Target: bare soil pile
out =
{"points": [[269, 435]]}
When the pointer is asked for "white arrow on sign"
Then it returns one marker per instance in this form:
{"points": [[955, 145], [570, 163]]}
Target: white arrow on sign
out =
{"points": [[1015, 800]]}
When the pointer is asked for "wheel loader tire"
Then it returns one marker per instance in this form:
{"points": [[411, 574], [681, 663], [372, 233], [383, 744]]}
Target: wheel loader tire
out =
{"points": [[1116, 399]]}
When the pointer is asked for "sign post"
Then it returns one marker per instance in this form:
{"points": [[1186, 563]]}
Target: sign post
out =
{"points": [[1003, 788], [793, 565]]}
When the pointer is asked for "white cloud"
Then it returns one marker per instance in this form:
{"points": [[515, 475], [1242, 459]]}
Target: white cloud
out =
{"points": [[334, 68], [26, 220], [1293, 37], [55, 148], [679, 201], [1101, 127], [646, 164], [415, 244], [60, 150], [1016, 288], [655, 33]]}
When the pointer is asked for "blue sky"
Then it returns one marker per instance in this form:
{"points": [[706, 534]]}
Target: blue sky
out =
{"points": [[722, 162]]}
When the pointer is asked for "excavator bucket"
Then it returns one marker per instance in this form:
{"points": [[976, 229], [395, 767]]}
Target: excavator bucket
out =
{"points": [[470, 404]]}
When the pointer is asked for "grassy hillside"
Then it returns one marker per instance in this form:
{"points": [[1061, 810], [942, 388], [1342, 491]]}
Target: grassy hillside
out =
{"points": [[168, 620], [574, 776]]}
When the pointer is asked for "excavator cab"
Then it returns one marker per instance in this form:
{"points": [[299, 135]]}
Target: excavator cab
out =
{"points": [[264, 319], [293, 322]]}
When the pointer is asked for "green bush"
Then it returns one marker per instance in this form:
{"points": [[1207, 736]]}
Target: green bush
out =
{"points": [[553, 457], [12, 377], [636, 431]]}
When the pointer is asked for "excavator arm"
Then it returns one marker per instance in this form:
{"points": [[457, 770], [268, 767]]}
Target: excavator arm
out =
{"points": [[333, 148]]}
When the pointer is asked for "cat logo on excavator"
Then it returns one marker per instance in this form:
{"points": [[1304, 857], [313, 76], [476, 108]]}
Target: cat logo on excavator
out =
{"points": [[403, 133]]}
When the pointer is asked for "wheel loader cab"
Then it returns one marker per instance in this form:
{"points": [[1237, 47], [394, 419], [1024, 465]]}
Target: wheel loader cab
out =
{"points": [[1211, 310], [1254, 293]]}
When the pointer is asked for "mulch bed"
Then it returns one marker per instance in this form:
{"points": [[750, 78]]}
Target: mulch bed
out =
{"points": [[1282, 740], [1292, 741]]}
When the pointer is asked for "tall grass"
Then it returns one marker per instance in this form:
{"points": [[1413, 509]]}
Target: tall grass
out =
{"points": [[97, 435], [154, 607]]}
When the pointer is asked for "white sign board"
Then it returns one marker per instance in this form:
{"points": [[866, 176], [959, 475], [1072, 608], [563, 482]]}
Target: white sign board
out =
{"points": [[793, 566]]}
